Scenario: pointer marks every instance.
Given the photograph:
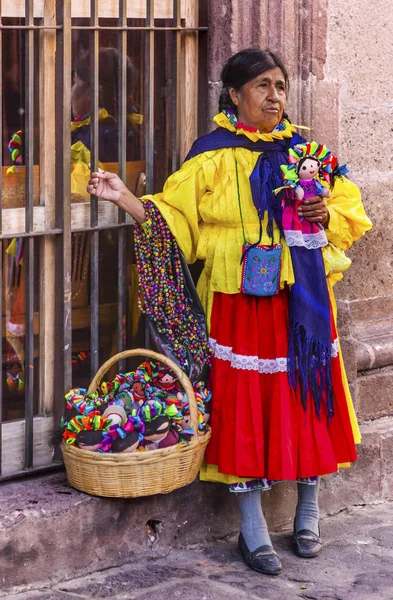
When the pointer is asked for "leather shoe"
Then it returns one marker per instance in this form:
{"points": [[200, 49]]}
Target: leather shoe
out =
{"points": [[263, 559], [306, 543]]}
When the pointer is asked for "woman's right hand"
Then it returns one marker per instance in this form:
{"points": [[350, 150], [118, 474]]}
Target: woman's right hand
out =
{"points": [[107, 186]]}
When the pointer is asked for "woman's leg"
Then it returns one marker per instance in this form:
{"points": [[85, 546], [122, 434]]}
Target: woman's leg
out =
{"points": [[254, 540], [307, 509], [306, 539], [253, 525]]}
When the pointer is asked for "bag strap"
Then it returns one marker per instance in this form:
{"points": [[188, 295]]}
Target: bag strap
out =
{"points": [[246, 245]]}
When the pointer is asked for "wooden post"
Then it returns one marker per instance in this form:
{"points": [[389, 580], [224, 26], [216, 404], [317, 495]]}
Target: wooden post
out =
{"points": [[47, 199], [189, 128]]}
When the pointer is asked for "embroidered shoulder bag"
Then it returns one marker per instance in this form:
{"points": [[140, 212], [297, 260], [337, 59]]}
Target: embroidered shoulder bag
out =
{"points": [[261, 264]]}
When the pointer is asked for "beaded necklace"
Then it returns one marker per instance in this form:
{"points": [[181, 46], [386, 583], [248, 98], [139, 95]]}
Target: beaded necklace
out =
{"points": [[162, 295]]}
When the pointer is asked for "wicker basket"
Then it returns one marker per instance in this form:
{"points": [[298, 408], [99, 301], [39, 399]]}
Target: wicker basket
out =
{"points": [[130, 475]]}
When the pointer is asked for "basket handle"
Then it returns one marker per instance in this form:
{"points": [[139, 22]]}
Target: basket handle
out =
{"points": [[183, 379]]}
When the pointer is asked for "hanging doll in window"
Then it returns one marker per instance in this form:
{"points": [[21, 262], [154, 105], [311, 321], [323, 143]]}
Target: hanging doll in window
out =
{"points": [[308, 164]]}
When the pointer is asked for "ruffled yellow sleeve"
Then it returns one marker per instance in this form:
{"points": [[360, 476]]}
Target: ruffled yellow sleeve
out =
{"points": [[348, 220], [179, 205]]}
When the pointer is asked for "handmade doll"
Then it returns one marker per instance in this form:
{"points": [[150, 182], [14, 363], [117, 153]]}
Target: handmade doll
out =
{"points": [[93, 422], [306, 163], [169, 383], [203, 397], [141, 387]]}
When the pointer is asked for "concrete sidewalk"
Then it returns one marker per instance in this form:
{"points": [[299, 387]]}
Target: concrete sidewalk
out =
{"points": [[356, 564]]}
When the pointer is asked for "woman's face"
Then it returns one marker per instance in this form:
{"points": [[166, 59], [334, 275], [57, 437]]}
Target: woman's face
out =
{"points": [[261, 101]]}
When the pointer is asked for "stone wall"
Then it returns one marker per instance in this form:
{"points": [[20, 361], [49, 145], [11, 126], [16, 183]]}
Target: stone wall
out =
{"points": [[338, 55]]}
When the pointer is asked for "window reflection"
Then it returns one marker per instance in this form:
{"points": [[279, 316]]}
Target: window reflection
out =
{"points": [[108, 117], [14, 329]]}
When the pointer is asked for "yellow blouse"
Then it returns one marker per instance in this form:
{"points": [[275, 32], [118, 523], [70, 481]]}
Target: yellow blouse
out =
{"points": [[201, 207]]}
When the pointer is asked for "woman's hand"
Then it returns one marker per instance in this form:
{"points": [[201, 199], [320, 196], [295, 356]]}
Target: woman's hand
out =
{"points": [[315, 210], [107, 186]]}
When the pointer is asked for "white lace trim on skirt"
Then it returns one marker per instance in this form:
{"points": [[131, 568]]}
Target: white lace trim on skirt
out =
{"points": [[253, 363]]}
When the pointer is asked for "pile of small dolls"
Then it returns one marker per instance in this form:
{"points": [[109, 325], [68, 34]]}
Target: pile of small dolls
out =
{"points": [[145, 409]]}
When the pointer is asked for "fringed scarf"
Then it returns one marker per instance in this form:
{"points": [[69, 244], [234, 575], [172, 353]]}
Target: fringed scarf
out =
{"points": [[309, 354]]}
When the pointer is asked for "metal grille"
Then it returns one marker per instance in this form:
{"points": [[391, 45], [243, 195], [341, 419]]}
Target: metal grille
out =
{"points": [[53, 230]]}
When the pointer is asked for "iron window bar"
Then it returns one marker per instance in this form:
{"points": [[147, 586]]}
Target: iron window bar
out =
{"points": [[63, 289], [28, 251], [94, 149], [176, 76], [122, 152]]}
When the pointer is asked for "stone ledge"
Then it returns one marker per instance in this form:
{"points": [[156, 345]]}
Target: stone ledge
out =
{"points": [[375, 351], [49, 531], [366, 332]]}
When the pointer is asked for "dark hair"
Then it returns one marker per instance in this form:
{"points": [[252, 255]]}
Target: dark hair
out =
{"points": [[123, 443], [89, 437], [154, 426], [302, 160], [244, 66]]}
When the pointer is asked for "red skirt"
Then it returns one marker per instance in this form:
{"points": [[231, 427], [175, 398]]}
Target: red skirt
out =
{"points": [[259, 426]]}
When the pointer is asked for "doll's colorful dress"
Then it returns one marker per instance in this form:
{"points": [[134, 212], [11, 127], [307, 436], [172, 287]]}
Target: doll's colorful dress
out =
{"points": [[299, 231]]}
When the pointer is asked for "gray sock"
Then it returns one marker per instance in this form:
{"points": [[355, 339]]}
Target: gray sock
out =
{"points": [[253, 525], [307, 509]]}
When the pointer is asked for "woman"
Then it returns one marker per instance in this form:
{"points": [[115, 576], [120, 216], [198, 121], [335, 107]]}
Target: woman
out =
{"points": [[278, 413]]}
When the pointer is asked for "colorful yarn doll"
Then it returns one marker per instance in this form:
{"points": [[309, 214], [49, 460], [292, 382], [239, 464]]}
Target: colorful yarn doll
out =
{"points": [[92, 422], [169, 383], [83, 404], [203, 397], [306, 163], [141, 388]]}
